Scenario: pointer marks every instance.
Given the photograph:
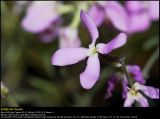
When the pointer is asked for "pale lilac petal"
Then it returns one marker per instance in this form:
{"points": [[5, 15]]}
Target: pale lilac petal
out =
{"points": [[142, 100], [51, 33], [97, 14], [136, 72], [68, 56], [68, 37], [117, 42], [139, 22], [117, 15], [134, 6], [124, 85], [154, 9], [111, 85], [129, 100], [151, 92], [148, 90], [40, 15], [90, 25], [91, 74]]}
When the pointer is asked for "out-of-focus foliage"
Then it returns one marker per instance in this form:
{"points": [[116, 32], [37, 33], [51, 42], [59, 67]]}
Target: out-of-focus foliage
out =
{"points": [[32, 81]]}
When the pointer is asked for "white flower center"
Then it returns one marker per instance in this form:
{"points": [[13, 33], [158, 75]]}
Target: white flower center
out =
{"points": [[133, 91], [92, 50]]}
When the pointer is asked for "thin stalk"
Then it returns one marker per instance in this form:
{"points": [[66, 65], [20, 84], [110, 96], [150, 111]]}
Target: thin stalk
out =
{"points": [[122, 61], [76, 20], [150, 63]]}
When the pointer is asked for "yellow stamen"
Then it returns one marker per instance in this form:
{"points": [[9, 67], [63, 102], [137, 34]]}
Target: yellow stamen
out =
{"points": [[94, 50]]}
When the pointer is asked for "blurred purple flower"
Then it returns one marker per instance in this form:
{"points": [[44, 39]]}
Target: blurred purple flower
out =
{"points": [[68, 37], [40, 18], [134, 95], [51, 33], [141, 14], [152, 7], [72, 55], [136, 16], [136, 72], [133, 70], [96, 12]]}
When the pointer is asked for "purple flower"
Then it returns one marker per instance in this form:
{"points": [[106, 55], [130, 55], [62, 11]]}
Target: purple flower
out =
{"points": [[152, 8], [136, 16], [112, 83], [40, 18], [68, 37], [136, 72], [117, 14], [72, 55], [50, 33], [96, 12], [141, 14], [133, 70], [134, 95]]}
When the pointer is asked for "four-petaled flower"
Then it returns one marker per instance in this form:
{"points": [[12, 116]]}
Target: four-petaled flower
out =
{"points": [[135, 74], [72, 55], [133, 95]]}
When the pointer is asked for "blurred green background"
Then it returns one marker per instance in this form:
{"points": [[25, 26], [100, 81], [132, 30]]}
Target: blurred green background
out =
{"points": [[32, 81]]}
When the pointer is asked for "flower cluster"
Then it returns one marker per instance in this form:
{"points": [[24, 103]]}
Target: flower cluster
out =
{"points": [[44, 18], [133, 94]]}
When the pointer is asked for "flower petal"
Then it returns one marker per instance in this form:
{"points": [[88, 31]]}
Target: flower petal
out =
{"points": [[111, 84], [134, 6], [136, 71], [142, 100], [68, 56], [129, 100], [91, 74], [90, 25], [148, 90], [40, 15], [50, 34], [69, 37], [117, 42], [139, 22], [154, 9], [97, 14], [117, 15], [151, 92]]}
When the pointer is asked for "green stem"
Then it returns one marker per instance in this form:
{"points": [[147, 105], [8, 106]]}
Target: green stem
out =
{"points": [[150, 62], [122, 61], [76, 20], [63, 9]]}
